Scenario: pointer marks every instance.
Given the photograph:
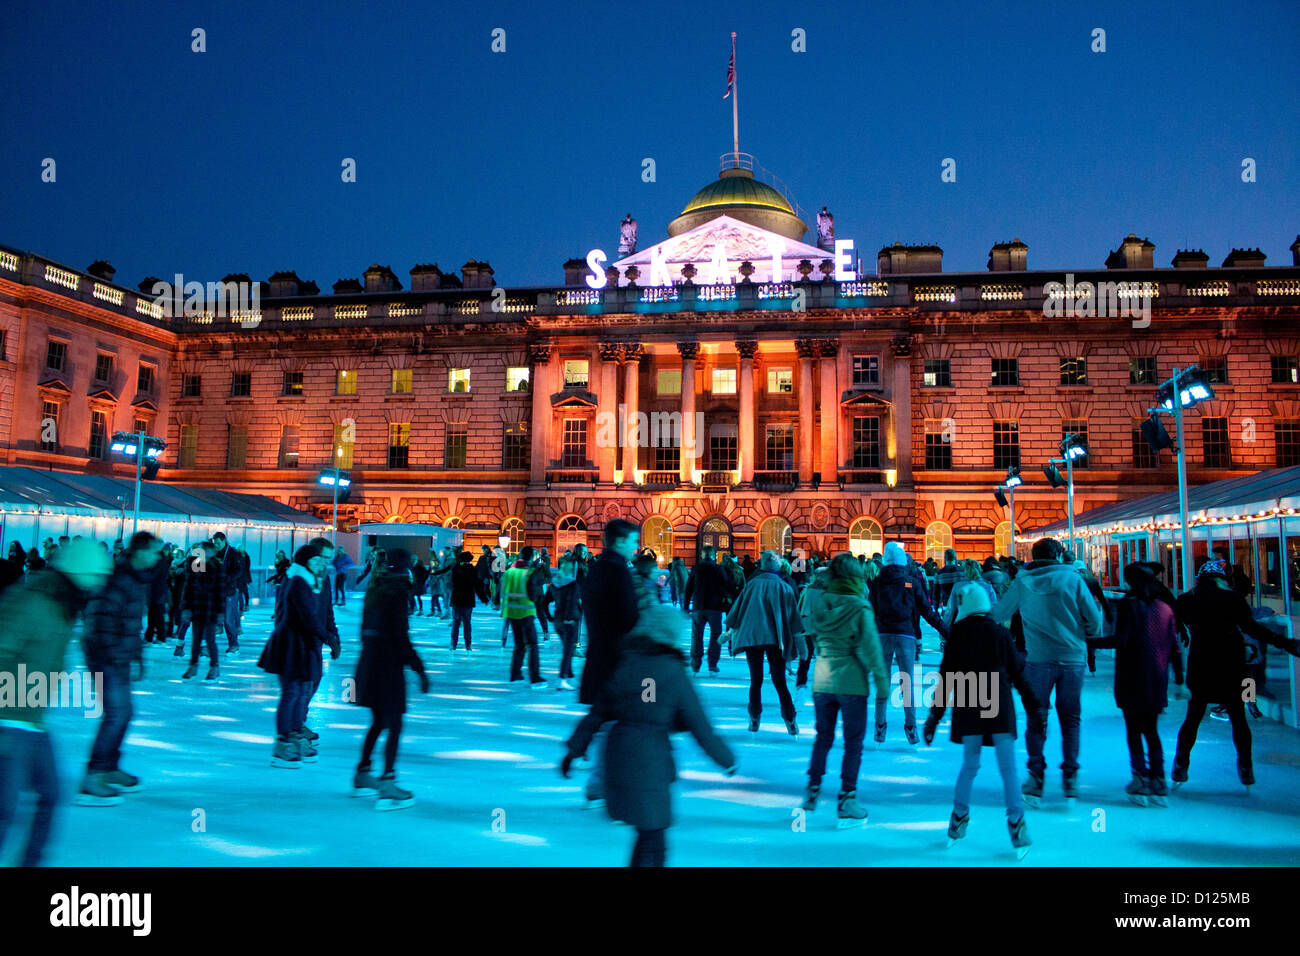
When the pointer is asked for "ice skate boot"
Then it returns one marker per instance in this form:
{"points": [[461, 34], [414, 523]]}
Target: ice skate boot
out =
{"points": [[306, 750], [912, 737], [190, 671], [851, 813], [1020, 837], [1070, 784], [810, 797], [880, 733], [1138, 790], [1032, 791], [96, 793], [792, 725], [364, 784], [1246, 774], [180, 651], [1180, 770], [753, 725], [285, 754], [122, 781], [957, 827], [310, 734], [391, 796], [213, 672], [1159, 790]]}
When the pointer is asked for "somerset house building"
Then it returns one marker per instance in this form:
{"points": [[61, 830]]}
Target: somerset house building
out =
{"points": [[777, 395]]}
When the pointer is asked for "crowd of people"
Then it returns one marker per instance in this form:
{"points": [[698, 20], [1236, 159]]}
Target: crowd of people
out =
{"points": [[846, 625]]}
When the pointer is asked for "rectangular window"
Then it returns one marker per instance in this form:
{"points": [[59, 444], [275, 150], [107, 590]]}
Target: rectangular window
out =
{"points": [[517, 378], [514, 446], [457, 446], [669, 381], [237, 447], [937, 374], [1142, 370], [1080, 429], [399, 444], [98, 435], [1074, 371], [1214, 438], [144, 379], [56, 355], [1006, 444], [401, 381], [188, 454], [866, 442], [140, 425], [50, 426], [1215, 368], [667, 458], [241, 384], [1006, 373], [573, 448], [345, 381], [575, 373], [1286, 369], [191, 385], [344, 442], [723, 454], [938, 445], [458, 380], [780, 381], [288, 446], [292, 383], [724, 381], [866, 371], [1143, 454], [779, 446], [1288, 442], [103, 367]]}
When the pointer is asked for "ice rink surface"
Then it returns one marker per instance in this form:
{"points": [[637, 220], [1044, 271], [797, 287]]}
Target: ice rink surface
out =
{"points": [[480, 754]]}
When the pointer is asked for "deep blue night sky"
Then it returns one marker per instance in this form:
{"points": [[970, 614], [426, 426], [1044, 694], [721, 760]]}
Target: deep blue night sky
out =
{"points": [[229, 160]]}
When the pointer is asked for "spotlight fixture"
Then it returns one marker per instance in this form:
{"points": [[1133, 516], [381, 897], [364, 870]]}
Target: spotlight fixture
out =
{"points": [[1191, 387], [1153, 431], [1013, 477], [1000, 497], [1053, 476], [1074, 447]]}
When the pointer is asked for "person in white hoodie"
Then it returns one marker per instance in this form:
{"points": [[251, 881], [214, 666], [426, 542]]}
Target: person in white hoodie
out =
{"points": [[1058, 615]]}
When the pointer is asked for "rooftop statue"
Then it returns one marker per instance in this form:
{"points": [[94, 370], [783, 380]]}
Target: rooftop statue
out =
{"points": [[825, 229], [627, 236]]}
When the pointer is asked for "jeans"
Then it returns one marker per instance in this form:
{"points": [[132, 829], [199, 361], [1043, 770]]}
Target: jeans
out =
{"points": [[650, 849], [900, 649], [1005, 745], [340, 589], [1067, 680], [525, 632], [232, 621], [206, 633], [776, 666], [294, 695], [1241, 738], [459, 616], [568, 634], [306, 702], [1138, 726], [27, 763], [699, 618], [107, 748], [157, 623], [829, 707]]}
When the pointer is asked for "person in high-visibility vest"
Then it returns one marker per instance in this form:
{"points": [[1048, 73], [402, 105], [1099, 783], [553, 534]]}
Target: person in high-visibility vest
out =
{"points": [[521, 592]]}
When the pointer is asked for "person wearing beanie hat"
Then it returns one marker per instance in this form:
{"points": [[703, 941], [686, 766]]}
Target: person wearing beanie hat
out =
{"points": [[973, 601]]}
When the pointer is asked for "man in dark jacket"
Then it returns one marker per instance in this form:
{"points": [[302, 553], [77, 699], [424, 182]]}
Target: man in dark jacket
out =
{"points": [[946, 577], [158, 596], [205, 606], [325, 615], [899, 601], [229, 569], [705, 598], [113, 648], [484, 570], [609, 605], [465, 581]]}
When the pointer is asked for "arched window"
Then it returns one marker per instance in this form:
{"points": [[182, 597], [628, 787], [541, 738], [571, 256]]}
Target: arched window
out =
{"points": [[866, 536], [938, 535], [715, 533], [514, 528], [1002, 543], [570, 531], [451, 521], [657, 534], [774, 535], [393, 519]]}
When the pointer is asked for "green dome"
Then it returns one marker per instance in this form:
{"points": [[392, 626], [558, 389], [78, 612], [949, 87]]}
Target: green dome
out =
{"points": [[737, 191]]}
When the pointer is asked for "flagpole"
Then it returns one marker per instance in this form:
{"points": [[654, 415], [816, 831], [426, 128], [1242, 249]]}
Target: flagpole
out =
{"points": [[735, 102]]}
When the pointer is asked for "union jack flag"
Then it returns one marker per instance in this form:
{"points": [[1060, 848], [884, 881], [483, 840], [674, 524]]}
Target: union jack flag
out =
{"points": [[731, 69]]}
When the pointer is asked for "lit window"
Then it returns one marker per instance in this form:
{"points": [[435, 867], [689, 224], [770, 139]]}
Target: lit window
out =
{"points": [[344, 442], [724, 381], [399, 444], [938, 538], [669, 381], [780, 381], [458, 380], [937, 373], [1074, 371], [867, 537], [402, 379], [517, 378], [345, 382], [289, 446], [189, 450], [575, 373], [774, 535], [292, 383], [1285, 369]]}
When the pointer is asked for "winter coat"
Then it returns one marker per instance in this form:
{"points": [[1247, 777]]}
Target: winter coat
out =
{"points": [[954, 597], [293, 650], [564, 597], [609, 605], [464, 584], [638, 757], [765, 614], [203, 597], [156, 582], [899, 601], [37, 615], [1145, 640], [386, 646], [848, 648], [229, 569], [998, 579], [1216, 658], [945, 579], [708, 588], [678, 575], [979, 646], [419, 577], [1056, 610], [114, 616]]}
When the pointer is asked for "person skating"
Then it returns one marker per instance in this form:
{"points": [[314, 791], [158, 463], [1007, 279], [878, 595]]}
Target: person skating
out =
{"points": [[419, 581], [1145, 639], [898, 598], [677, 576], [764, 624], [978, 650], [521, 592], [386, 652], [1217, 617], [705, 595], [464, 592], [113, 648], [947, 577], [343, 563], [566, 613], [293, 654], [638, 753], [838, 618], [1058, 615], [204, 606], [156, 595], [229, 569], [325, 611]]}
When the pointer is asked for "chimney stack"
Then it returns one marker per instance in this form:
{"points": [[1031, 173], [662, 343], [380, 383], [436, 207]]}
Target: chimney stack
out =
{"points": [[346, 286], [575, 269], [477, 275], [102, 269], [381, 279], [1133, 253], [1008, 256], [1295, 252], [284, 284], [1190, 259], [899, 259], [426, 277], [1244, 259]]}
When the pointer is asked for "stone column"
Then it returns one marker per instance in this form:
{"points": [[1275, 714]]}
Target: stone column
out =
{"points": [[607, 410], [690, 449], [632, 441], [901, 412], [539, 439], [807, 350], [747, 348], [830, 410]]}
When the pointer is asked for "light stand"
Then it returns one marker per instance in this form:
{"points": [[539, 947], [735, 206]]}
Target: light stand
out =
{"points": [[139, 446], [337, 479], [1183, 390]]}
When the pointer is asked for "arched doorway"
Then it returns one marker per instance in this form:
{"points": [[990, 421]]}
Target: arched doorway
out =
{"points": [[867, 537], [938, 537], [657, 535], [570, 531], [774, 535], [715, 532]]}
